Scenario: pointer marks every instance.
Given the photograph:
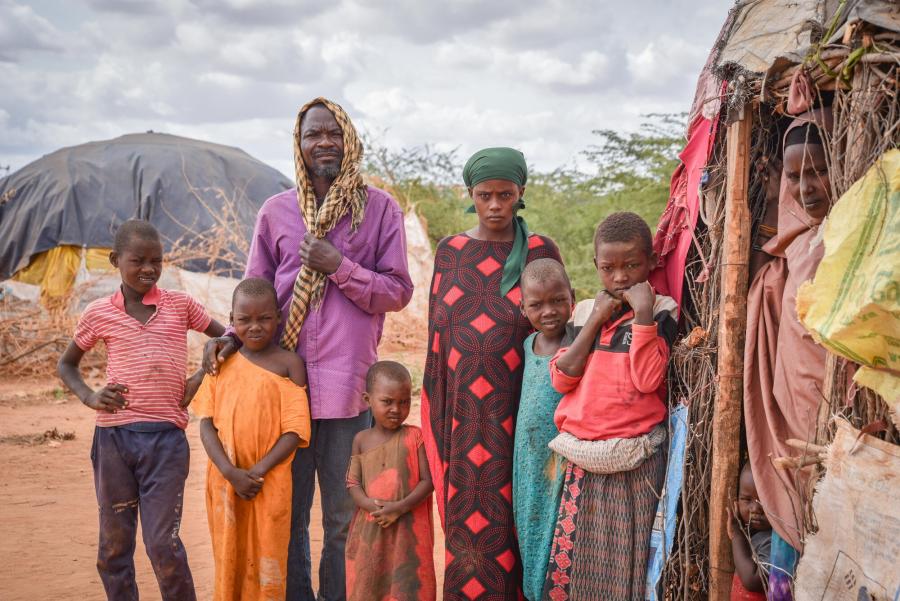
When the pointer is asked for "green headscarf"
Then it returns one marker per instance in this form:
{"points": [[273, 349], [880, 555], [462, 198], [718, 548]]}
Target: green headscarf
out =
{"points": [[507, 164]]}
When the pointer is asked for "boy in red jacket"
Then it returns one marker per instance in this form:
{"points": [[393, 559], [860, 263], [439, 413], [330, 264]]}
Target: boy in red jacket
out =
{"points": [[612, 420]]}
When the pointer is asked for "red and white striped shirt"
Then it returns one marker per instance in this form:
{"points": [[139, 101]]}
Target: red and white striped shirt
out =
{"points": [[150, 359]]}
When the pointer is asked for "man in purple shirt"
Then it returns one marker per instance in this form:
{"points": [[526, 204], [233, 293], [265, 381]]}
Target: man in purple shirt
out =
{"points": [[367, 275]]}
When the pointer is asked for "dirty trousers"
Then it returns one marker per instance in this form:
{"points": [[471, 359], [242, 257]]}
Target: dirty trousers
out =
{"points": [[141, 471]]}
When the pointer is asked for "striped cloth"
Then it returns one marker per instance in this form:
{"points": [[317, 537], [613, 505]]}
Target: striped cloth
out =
{"points": [[602, 536], [150, 359], [347, 193]]}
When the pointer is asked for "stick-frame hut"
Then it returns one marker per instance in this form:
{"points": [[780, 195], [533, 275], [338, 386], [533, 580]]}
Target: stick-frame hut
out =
{"points": [[850, 51]]}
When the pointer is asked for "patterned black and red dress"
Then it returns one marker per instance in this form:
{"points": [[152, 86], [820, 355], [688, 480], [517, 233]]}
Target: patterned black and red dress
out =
{"points": [[470, 395]]}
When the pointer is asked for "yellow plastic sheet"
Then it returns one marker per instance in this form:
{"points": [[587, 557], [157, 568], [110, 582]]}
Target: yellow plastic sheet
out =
{"points": [[852, 307], [55, 270]]}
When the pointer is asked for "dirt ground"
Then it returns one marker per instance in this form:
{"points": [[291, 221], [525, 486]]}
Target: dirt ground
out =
{"points": [[48, 513]]}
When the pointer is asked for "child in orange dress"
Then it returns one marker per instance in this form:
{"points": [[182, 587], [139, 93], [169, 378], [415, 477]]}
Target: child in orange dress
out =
{"points": [[255, 414], [391, 542]]}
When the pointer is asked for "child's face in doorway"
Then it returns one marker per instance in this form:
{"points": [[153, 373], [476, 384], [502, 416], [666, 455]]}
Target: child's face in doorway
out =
{"points": [[390, 401], [547, 304], [139, 263], [749, 507], [621, 265], [255, 320]]}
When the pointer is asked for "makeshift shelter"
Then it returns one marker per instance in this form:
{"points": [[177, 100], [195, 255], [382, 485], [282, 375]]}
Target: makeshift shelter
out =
{"points": [[844, 53], [58, 215]]}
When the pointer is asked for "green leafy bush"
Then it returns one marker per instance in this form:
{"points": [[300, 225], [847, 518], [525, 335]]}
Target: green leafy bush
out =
{"points": [[626, 172]]}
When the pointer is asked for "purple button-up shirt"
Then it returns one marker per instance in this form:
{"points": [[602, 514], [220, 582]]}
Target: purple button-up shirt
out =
{"points": [[338, 341]]}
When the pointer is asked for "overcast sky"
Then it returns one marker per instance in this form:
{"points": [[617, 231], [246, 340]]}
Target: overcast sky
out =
{"points": [[537, 75]]}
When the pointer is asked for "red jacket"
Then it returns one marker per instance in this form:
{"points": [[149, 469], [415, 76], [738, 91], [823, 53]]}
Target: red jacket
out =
{"points": [[622, 393]]}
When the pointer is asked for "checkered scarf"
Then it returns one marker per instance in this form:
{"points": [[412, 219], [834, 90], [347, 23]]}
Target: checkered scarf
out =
{"points": [[347, 193]]}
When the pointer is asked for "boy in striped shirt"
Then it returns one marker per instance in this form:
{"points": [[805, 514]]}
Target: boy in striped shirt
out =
{"points": [[140, 453]]}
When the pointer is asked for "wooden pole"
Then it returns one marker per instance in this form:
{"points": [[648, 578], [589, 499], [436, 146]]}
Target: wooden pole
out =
{"points": [[732, 330]]}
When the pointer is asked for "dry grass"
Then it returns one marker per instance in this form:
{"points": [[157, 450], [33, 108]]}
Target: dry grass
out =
{"points": [[693, 379], [52, 437], [32, 338], [221, 249]]}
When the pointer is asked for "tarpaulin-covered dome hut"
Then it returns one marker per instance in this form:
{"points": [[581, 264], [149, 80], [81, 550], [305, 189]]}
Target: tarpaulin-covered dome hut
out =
{"points": [[59, 213], [772, 60]]}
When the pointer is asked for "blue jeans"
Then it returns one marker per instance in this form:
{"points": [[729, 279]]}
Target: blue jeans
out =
{"points": [[141, 471], [327, 457]]}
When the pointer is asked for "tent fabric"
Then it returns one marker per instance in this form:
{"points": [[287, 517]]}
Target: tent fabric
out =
{"points": [[79, 195], [56, 270], [766, 30], [709, 93], [880, 13], [675, 231], [766, 36]]}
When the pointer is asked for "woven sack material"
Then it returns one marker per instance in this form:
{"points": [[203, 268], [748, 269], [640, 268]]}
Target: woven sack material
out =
{"points": [[609, 456]]}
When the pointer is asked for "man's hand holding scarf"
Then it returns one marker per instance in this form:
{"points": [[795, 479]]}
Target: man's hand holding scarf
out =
{"points": [[320, 255]]}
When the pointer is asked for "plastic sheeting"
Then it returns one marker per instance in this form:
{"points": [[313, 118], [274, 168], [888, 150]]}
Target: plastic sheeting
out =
{"points": [[56, 270], [852, 305], [775, 33], [854, 555], [663, 534], [78, 195]]}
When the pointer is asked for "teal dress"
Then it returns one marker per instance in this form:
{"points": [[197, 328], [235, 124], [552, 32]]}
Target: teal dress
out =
{"points": [[537, 471]]}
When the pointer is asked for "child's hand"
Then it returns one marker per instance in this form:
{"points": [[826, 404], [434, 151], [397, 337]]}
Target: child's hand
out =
{"points": [[245, 484], [733, 524], [108, 398], [190, 389], [372, 505], [641, 298], [388, 513], [215, 351], [605, 304]]}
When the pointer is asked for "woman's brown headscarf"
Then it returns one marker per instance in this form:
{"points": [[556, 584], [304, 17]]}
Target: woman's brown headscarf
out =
{"points": [[783, 366]]}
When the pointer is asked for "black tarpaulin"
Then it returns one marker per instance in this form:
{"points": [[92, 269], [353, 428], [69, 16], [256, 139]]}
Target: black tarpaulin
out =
{"points": [[79, 195]]}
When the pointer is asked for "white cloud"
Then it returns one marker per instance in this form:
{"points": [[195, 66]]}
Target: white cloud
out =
{"points": [[228, 81], [662, 61], [195, 38], [22, 31], [245, 54], [538, 75], [546, 69]]}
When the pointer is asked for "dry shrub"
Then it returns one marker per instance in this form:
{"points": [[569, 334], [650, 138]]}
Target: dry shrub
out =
{"points": [[51, 437], [32, 339], [222, 248], [693, 378]]}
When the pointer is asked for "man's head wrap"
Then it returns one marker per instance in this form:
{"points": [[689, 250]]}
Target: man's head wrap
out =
{"points": [[506, 164], [347, 194]]}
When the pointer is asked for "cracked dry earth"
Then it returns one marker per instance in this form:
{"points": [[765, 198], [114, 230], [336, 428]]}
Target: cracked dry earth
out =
{"points": [[48, 512]]}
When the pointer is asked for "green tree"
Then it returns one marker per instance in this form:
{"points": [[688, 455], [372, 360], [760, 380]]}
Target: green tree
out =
{"points": [[424, 179], [625, 172]]}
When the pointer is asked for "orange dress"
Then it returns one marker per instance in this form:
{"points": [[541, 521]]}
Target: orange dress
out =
{"points": [[251, 408], [394, 563]]}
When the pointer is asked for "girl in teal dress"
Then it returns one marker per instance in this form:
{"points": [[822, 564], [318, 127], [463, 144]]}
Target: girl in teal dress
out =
{"points": [[537, 471]]}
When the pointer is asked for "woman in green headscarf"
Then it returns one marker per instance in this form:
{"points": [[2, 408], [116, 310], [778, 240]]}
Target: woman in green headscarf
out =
{"points": [[473, 374]]}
